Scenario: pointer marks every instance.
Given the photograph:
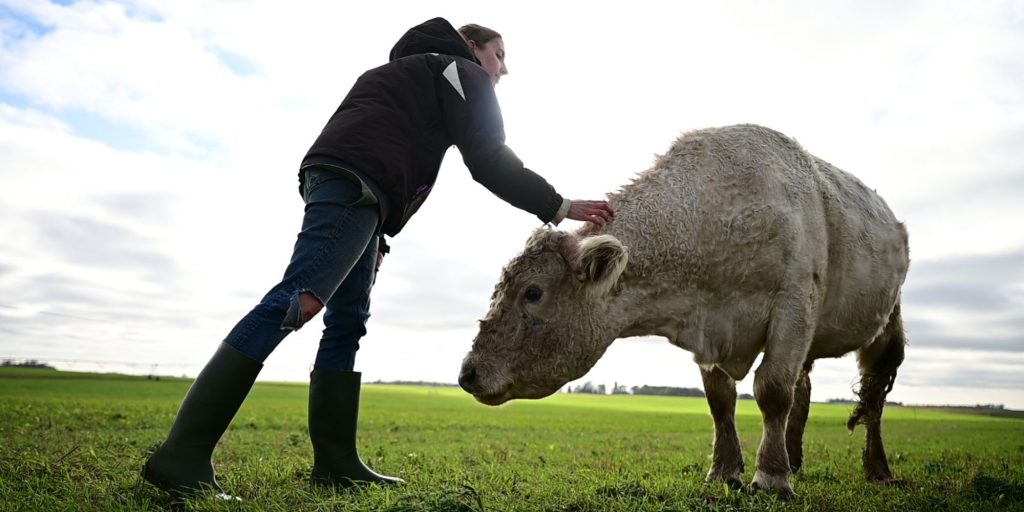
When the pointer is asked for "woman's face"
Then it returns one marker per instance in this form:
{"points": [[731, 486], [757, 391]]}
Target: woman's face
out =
{"points": [[492, 58]]}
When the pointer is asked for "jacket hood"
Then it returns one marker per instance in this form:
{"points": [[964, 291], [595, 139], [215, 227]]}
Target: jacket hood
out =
{"points": [[433, 36]]}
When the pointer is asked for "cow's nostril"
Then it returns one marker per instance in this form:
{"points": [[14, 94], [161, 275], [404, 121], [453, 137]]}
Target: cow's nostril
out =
{"points": [[467, 379]]}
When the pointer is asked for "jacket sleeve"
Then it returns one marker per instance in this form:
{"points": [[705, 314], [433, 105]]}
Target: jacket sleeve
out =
{"points": [[473, 120]]}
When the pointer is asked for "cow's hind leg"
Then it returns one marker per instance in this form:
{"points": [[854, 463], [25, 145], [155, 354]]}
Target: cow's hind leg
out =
{"points": [[798, 419], [878, 363], [727, 458]]}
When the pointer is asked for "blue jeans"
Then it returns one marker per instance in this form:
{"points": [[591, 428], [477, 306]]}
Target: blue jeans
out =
{"points": [[334, 259]]}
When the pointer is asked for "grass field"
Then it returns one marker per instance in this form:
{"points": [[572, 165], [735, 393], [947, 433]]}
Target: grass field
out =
{"points": [[76, 442]]}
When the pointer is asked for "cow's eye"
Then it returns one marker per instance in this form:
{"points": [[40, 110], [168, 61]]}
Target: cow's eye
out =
{"points": [[533, 294]]}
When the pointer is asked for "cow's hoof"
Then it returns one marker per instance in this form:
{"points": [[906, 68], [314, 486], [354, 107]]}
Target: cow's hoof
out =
{"points": [[776, 484], [785, 494], [731, 478], [886, 480], [733, 482]]}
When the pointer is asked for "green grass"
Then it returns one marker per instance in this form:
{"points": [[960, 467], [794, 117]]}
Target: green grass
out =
{"points": [[77, 441]]}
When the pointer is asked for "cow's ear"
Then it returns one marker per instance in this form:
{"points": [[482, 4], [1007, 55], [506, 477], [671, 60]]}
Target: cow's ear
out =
{"points": [[599, 262]]}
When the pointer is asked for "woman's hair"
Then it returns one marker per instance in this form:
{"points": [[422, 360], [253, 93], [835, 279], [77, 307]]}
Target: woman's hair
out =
{"points": [[481, 35]]}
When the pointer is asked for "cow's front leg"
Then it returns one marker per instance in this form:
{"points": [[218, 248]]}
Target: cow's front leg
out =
{"points": [[798, 419], [774, 381], [727, 458], [773, 390]]}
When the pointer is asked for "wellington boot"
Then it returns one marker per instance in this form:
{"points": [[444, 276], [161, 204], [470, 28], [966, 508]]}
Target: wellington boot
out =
{"points": [[182, 464], [333, 420]]}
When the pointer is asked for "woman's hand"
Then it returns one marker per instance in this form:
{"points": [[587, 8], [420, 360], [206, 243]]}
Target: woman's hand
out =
{"points": [[597, 212]]}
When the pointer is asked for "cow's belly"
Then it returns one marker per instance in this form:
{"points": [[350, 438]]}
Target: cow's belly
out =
{"points": [[729, 336], [836, 340], [852, 321], [732, 335]]}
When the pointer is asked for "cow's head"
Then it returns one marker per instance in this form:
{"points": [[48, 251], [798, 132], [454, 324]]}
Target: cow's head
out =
{"points": [[549, 320]]}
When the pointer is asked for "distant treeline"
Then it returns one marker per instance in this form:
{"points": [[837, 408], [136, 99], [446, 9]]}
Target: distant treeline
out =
{"points": [[667, 391], [850, 401], [600, 389], [31, 363], [980, 407]]}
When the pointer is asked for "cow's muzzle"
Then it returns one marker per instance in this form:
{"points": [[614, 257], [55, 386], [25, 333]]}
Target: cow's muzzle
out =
{"points": [[470, 380]]}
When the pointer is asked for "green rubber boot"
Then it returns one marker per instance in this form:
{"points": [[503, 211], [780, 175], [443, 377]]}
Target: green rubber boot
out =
{"points": [[333, 419], [182, 465]]}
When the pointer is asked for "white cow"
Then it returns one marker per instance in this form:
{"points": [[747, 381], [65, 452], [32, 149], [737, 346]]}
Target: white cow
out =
{"points": [[736, 242]]}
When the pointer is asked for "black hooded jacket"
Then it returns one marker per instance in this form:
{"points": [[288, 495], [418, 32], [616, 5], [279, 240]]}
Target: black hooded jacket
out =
{"points": [[397, 122]]}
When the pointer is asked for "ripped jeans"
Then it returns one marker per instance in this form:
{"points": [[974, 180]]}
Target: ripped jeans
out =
{"points": [[334, 259]]}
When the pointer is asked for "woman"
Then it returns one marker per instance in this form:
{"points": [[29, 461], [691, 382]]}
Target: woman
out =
{"points": [[365, 175]]}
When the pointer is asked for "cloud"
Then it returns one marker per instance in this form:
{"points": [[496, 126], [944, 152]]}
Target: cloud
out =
{"points": [[155, 207], [1000, 273], [89, 242], [972, 302], [989, 336], [985, 283], [964, 296], [434, 291], [973, 369], [120, 74], [60, 289]]}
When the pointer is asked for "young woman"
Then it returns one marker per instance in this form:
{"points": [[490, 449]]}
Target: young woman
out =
{"points": [[367, 173]]}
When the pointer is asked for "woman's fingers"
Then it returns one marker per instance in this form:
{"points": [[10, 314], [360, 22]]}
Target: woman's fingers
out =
{"points": [[597, 212]]}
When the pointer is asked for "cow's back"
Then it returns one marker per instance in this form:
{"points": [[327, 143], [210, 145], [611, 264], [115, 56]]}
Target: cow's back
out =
{"points": [[724, 206], [736, 214]]}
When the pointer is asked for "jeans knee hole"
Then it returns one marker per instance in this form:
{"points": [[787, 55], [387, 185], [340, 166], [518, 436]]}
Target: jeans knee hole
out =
{"points": [[293, 320]]}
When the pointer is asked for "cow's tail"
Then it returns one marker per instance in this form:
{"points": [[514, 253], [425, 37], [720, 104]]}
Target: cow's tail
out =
{"points": [[878, 364]]}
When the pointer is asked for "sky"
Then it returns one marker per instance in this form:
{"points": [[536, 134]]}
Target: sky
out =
{"points": [[149, 150]]}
